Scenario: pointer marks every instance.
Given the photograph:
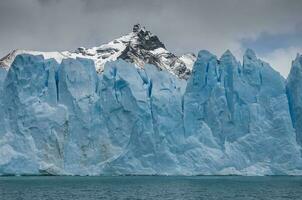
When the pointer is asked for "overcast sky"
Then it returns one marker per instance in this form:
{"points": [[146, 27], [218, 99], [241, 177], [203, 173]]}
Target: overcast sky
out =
{"points": [[273, 28]]}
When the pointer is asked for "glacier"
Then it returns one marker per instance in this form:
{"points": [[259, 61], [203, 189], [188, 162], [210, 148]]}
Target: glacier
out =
{"points": [[226, 118]]}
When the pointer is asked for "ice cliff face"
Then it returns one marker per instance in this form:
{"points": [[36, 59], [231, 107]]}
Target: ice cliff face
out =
{"points": [[243, 111], [227, 118], [294, 92]]}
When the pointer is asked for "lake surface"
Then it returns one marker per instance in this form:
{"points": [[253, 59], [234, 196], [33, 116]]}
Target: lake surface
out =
{"points": [[150, 187]]}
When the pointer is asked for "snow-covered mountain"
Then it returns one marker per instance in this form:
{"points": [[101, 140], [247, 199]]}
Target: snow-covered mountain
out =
{"points": [[139, 47], [222, 118]]}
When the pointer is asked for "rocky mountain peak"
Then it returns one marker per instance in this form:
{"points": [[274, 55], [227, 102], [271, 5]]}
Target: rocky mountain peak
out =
{"points": [[145, 39], [136, 28]]}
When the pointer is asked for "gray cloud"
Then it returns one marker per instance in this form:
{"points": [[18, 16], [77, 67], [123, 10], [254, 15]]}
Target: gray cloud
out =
{"points": [[183, 25]]}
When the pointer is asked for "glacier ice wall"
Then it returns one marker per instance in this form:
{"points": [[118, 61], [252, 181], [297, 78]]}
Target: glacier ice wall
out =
{"points": [[65, 118], [294, 92], [245, 109]]}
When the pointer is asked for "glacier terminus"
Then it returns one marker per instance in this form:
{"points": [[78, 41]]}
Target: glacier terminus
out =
{"points": [[131, 107]]}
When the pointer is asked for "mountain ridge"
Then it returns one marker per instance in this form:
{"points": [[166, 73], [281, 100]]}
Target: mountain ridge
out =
{"points": [[139, 47]]}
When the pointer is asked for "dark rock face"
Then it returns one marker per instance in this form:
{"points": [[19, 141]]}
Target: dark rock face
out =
{"points": [[139, 51]]}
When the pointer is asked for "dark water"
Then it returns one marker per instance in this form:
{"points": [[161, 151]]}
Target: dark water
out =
{"points": [[140, 187]]}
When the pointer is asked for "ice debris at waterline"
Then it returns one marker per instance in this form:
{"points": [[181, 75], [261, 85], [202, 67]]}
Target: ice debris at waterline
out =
{"points": [[227, 118]]}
